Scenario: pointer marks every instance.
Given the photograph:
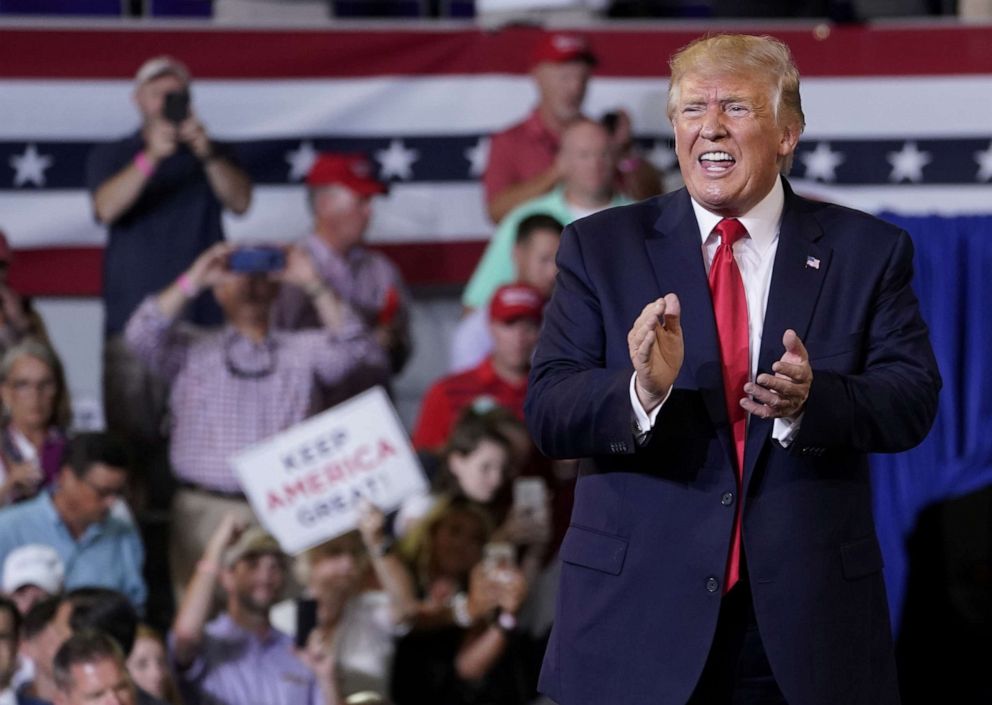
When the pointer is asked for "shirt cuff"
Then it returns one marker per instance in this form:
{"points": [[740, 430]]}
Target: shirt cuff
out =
{"points": [[643, 420], [785, 429]]}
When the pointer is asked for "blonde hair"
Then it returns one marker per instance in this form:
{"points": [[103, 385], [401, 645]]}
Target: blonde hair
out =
{"points": [[741, 54], [416, 548]]}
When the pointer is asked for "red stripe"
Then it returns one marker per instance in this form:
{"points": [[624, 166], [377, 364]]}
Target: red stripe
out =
{"points": [[68, 271], [231, 54]]}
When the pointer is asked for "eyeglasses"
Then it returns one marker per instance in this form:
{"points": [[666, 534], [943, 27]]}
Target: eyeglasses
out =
{"points": [[103, 492]]}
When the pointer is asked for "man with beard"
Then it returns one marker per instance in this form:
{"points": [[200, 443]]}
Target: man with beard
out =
{"points": [[238, 657]]}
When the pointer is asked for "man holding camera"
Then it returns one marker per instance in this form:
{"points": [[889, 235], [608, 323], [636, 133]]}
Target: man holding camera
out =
{"points": [[340, 190], [234, 385], [160, 191]]}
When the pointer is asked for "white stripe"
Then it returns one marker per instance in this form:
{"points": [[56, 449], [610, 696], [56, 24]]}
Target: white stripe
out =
{"points": [[253, 109], [436, 212], [422, 212]]}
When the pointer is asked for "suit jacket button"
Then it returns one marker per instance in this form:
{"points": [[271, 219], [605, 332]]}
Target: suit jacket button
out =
{"points": [[712, 584], [727, 499]]}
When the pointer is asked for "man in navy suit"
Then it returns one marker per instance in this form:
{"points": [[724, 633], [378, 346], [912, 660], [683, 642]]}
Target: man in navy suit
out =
{"points": [[723, 359]]}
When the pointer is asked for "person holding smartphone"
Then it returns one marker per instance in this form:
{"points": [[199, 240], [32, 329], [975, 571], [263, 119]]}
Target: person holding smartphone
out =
{"points": [[160, 191], [233, 385], [238, 652]]}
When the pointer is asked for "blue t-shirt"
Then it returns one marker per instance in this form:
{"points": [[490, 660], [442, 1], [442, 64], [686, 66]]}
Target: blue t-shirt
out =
{"points": [[176, 218]]}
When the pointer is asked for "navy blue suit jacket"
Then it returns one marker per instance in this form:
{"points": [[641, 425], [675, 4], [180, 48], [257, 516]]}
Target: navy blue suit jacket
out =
{"points": [[644, 556]]}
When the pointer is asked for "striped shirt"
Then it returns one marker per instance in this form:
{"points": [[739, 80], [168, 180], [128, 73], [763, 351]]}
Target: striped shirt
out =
{"points": [[228, 392]]}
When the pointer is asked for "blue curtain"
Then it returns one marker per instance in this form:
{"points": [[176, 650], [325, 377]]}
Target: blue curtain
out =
{"points": [[954, 284]]}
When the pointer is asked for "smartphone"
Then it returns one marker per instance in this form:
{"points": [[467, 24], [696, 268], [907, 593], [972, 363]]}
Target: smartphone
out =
{"points": [[176, 107], [497, 558], [252, 260], [530, 496], [306, 620]]}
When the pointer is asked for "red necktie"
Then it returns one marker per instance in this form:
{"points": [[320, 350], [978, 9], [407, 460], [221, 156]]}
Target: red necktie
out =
{"points": [[730, 309]]}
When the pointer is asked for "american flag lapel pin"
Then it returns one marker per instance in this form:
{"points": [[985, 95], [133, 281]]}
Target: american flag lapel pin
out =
{"points": [[812, 262]]}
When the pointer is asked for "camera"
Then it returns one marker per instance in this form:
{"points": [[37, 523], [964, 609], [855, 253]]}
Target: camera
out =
{"points": [[254, 260]]}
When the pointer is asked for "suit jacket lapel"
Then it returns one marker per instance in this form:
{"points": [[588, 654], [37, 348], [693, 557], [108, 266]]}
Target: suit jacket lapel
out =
{"points": [[675, 253], [801, 264]]}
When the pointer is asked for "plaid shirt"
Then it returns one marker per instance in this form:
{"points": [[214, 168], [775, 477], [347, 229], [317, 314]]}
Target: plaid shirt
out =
{"points": [[228, 392], [374, 289]]}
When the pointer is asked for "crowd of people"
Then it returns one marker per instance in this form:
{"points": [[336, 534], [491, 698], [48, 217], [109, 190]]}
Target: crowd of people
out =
{"points": [[210, 347]]}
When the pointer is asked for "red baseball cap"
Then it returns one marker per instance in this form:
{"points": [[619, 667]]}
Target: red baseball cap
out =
{"points": [[515, 301], [352, 170], [558, 47]]}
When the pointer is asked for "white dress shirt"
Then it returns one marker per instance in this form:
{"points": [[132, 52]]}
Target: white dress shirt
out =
{"points": [[755, 256]]}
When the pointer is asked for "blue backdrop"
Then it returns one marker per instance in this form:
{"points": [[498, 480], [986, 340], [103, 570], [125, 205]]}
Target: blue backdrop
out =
{"points": [[954, 284]]}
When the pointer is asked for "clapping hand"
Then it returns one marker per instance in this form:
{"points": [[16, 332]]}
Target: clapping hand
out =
{"points": [[784, 394], [656, 350]]}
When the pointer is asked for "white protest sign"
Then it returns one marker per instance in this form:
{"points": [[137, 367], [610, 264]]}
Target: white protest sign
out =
{"points": [[305, 484]]}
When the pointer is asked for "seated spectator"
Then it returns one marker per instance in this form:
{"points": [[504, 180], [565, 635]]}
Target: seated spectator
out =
{"points": [[523, 159], [32, 440], [588, 185], [149, 666], [42, 633], [98, 546], [440, 554], [478, 464], [534, 253], [234, 386], [514, 322], [637, 177], [340, 189], [10, 629], [31, 573], [238, 657], [355, 612], [107, 611], [89, 668], [476, 656]]}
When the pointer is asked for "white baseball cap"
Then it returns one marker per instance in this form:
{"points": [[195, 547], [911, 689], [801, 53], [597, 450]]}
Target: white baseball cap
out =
{"points": [[33, 564], [160, 66]]}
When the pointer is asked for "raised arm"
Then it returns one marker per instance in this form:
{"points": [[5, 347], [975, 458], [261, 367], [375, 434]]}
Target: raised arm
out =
{"points": [[229, 182], [194, 610], [575, 406], [115, 196]]}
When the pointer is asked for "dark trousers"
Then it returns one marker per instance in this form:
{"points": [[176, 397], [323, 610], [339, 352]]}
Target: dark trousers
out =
{"points": [[737, 670]]}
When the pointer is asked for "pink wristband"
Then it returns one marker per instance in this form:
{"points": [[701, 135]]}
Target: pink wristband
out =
{"points": [[186, 286], [143, 164]]}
